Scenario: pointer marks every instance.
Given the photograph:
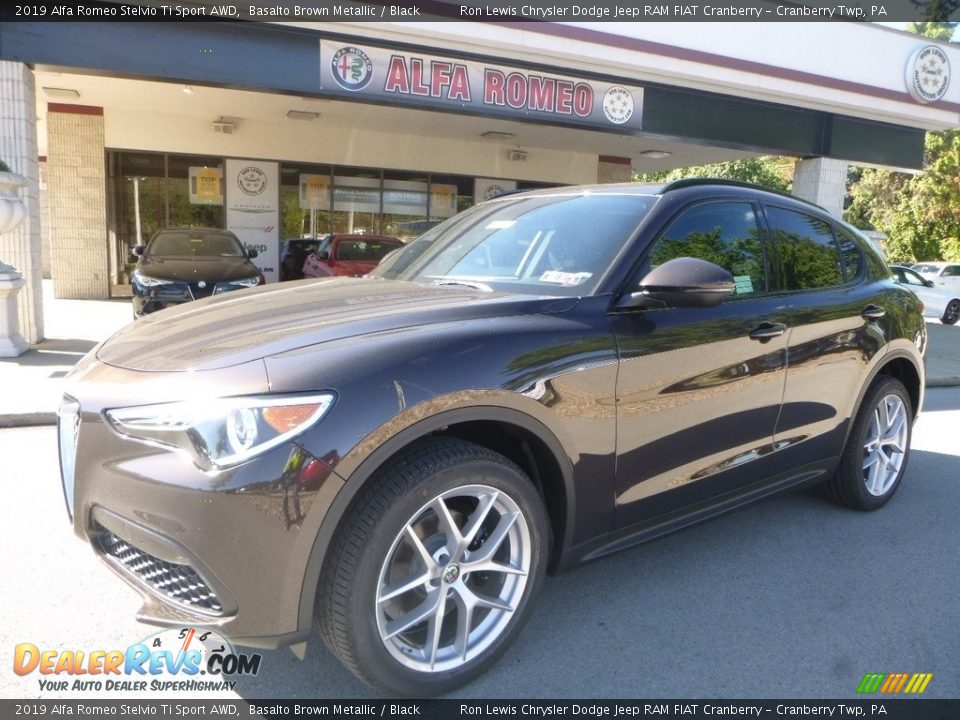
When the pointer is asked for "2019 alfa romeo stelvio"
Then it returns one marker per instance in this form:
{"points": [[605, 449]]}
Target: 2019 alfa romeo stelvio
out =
{"points": [[397, 460]]}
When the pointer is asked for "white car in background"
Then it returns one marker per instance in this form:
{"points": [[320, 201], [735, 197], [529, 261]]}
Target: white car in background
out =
{"points": [[942, 273], [938, 301]]}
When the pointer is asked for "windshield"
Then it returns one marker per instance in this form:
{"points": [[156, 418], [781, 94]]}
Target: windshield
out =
{"points": [[365, 250], [542, 244], [195, 243]]}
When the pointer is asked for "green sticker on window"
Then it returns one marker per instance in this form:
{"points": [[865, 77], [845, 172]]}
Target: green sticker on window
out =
{"points": [[743, 285]]}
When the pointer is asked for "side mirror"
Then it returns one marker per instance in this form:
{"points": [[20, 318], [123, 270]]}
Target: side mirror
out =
{"points": [[928, 283], [252, 253], [324, 254], [139, 250], [682, 282]]}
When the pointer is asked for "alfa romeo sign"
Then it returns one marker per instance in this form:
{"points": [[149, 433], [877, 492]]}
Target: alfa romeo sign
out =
{"points": [[439, 83]]}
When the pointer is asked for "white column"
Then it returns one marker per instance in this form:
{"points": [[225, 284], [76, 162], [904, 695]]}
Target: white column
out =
{"points": [[18, 149], [822, 181], [613, 169], [76, 183]]}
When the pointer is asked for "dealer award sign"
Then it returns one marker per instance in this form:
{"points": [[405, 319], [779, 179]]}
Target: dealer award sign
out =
{"points": [[253, 201]]}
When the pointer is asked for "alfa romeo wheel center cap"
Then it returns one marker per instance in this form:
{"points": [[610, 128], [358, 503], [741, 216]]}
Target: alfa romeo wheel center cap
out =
{"points": [[451, 573]]}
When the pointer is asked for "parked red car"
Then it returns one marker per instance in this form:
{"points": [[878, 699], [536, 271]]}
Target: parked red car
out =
{"points": [[349, 255]]}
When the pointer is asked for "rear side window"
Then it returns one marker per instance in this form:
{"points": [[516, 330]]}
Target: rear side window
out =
{"points": [[851, 254], [808, 254], [951, 270], [724, 233]]}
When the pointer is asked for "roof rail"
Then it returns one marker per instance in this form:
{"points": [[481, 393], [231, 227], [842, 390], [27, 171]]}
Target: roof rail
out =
{"points": [[695, 181]]}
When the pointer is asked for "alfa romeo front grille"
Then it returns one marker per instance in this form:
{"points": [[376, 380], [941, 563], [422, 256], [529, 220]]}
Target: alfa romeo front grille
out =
{"points": [[181, 584]]}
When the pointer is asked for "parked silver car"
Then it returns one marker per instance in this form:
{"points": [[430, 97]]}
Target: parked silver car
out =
{"points": [[938, 301], [941, 273]]}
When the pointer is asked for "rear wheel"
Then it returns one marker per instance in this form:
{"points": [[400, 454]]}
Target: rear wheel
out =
{"points": [[875, 457], [435, 569], [951, 313]]}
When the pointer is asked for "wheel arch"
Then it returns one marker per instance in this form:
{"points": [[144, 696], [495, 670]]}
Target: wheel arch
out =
{"points": [[902, 365], [519, 437]]}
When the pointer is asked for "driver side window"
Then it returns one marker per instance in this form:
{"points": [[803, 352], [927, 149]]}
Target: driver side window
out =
{"points": [[724, 233]]}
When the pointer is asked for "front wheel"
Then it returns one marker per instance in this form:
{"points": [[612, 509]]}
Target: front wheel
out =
{"points": [[875, 457], [435, 569], [951, 313]]}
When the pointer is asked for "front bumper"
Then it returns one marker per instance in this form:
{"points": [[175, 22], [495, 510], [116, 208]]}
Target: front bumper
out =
{"points": [[148, 300], [221, 549]]}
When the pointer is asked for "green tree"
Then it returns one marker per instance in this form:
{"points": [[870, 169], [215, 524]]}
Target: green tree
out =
{"points": [[919, 213], [933, 30], [771, 172]]}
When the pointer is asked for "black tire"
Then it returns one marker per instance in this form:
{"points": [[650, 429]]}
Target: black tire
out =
{"points": [[353, 614], [951, 313], [863, 487]]}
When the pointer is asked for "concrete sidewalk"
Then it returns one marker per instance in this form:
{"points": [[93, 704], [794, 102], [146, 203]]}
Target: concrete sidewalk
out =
{"points": [[31, 385]]}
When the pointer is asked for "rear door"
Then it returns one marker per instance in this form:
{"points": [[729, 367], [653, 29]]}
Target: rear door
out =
{"points": [[699, 389], [837, 327]]}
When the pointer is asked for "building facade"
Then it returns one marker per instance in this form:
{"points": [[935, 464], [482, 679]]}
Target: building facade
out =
{"points": [[290, 129]]}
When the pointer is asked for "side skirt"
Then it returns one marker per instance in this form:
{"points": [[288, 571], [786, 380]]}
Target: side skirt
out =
{"points": [[627, 537]]}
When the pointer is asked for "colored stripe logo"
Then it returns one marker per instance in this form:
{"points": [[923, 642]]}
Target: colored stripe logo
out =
{"points": [[893, 683]]}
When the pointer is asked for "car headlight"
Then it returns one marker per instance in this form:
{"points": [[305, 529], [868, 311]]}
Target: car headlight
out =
{"points": [[148, 281], [246, 282], [222, 432]]}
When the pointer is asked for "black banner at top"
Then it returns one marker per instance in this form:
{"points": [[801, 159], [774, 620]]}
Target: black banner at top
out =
{"points": [[490, 11]]}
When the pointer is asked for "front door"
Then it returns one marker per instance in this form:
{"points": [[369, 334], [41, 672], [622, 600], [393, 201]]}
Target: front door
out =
{"points": [[699, 389]]}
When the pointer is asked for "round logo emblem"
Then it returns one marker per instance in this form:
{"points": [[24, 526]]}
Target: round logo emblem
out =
{"points": [[928, 74], [202, 284], [451, 573], [618, 105], [493, 190], [351, 68], [252, 180]]}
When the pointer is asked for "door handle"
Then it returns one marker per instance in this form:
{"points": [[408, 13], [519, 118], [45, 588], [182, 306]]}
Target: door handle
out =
{"points": [[767, 330], [873, 312]]}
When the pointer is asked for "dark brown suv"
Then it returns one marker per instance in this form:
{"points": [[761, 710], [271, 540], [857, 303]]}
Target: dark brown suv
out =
{"points": [[541, 380]]}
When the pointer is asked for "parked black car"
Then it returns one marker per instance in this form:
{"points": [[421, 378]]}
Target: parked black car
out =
{"points": [[183, 264], [541, 380]]}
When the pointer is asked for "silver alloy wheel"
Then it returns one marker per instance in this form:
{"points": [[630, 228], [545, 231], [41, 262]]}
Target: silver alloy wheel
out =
{"points": [[885, 446], [453, 578]]}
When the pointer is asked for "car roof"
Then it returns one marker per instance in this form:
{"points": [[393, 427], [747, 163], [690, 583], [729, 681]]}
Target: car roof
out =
{"points": [[338, 238], [656, 190]]}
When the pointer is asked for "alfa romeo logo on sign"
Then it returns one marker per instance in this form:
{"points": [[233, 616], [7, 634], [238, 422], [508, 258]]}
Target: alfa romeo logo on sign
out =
{"points": [[928, 74], [252, 180], [351, 68], [618, 105]]}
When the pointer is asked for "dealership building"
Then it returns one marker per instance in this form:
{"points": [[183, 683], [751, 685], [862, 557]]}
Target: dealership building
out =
{"points": [[285, 129]]}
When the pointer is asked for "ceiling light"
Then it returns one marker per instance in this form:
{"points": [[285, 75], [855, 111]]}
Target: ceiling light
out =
{"points": [[187, 89], [62, 93], [496, 135], [655, 154], [224, 126], [302, 115]]}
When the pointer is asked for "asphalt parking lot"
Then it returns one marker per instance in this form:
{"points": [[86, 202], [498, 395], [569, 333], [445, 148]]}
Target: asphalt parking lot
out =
{"points": [[792, 597]]}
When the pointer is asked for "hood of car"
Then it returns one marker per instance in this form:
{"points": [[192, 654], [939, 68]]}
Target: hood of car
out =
{"points": [[241, 326], [194, 269]]}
